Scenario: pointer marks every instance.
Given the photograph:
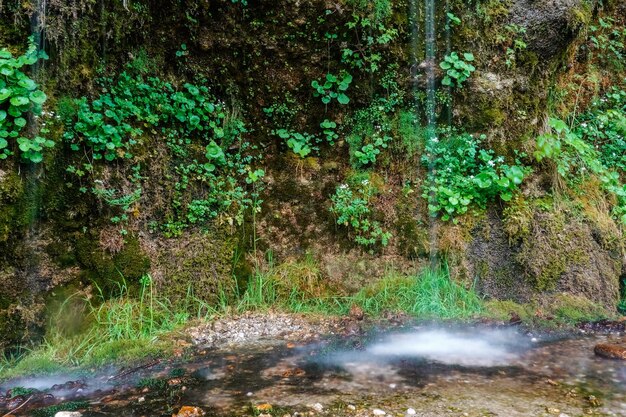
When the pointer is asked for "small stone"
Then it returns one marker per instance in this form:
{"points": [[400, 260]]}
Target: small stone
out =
{"points": [[411, 412], [351, 407], [610, 351], [553, 410], [188, 411], [563, 415], [318, 407], [249, 394], [265, 415], [141, 399], [392, 386], [264, 407], [68, 414], [378, 412]]}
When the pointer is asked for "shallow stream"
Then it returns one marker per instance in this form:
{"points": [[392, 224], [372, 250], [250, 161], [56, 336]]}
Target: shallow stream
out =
{"points": [[419, 370]]}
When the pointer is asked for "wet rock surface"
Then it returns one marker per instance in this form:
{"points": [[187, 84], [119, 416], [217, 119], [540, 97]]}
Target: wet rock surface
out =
{"points": [[411, 370]]}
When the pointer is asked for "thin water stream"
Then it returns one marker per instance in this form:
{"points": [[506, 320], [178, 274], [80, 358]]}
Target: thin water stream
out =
{"points": [[464, 371]]}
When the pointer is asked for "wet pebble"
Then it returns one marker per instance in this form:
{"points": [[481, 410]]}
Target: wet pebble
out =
{"points": [[411, 412], [378, 412], [318, 407], [68, 414]]}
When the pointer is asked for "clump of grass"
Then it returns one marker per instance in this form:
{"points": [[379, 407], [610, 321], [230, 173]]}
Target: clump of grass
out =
{"points": [[430, 294], [121, 329]]}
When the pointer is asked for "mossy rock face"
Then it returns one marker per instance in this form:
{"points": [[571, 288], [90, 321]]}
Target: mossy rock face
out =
{"points": [[105, 268], [491, 260], [559, 254], [550, 25], [199, 264]]}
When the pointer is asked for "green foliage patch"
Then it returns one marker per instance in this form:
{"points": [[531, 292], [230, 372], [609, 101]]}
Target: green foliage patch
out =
{"points": [[462, 175], [20, 98], [205, 142], [350, 205]]}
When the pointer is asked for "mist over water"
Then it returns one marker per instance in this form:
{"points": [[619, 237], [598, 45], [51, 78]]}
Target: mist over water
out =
{"points": [[462, 347], [479, 348]]}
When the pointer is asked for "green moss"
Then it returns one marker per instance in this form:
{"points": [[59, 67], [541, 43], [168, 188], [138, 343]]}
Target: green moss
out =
{"points": [[11, 189], [574, 309], [106, 269], [505, 310], [200, 265], [551, 249]]}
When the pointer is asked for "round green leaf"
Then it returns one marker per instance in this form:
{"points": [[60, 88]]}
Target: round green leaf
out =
{"points": [[4, 94], [27, 83], [38, 97], [3, 143], [19, 101], [343, 99], [20, 122]]}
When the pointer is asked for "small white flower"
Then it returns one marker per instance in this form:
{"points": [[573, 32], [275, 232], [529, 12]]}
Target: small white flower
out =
{"points": [[365, 182], [583, 124], [491, 163], [343, 186], [435, 140]]}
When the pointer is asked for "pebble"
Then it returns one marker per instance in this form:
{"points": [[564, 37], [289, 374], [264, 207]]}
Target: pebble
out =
{"points": [[318, 407], [411, 412], [68, 414], [563, 415], [378, 412], [351, 407], [141, 399], [392, 386]]}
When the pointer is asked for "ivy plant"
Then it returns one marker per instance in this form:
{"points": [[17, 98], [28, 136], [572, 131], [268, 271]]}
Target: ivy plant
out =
{"points": [[20, 96]]}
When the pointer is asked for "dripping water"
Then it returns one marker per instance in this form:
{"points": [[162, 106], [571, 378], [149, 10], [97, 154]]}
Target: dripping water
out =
{"points": [[431, 129]]}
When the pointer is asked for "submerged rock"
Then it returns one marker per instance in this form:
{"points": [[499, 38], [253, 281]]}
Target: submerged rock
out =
{"points": [[610, 351], [68, 414]]}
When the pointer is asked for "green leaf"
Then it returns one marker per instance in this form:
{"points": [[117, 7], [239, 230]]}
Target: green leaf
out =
{"points": [[468, 56], [20, 122], [343, 99], [3, 143], [4, 94], [19, 101], [38, 97], [27, 83], [506, 196]]}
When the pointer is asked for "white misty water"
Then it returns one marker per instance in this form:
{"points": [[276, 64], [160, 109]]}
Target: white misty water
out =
{"points": [[485, 348]]}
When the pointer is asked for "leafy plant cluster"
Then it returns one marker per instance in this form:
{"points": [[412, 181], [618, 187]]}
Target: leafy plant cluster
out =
{"points": [[607, 42], [370, 31], [514, 43], [20, 96], [333, 87], [575, 156], [350, 205], [210, 159], [457, 69], [603, 125], [370, 134], [463, 175]]}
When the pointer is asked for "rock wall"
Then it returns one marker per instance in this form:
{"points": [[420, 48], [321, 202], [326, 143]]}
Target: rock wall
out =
{"points": [[266, 53]]}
